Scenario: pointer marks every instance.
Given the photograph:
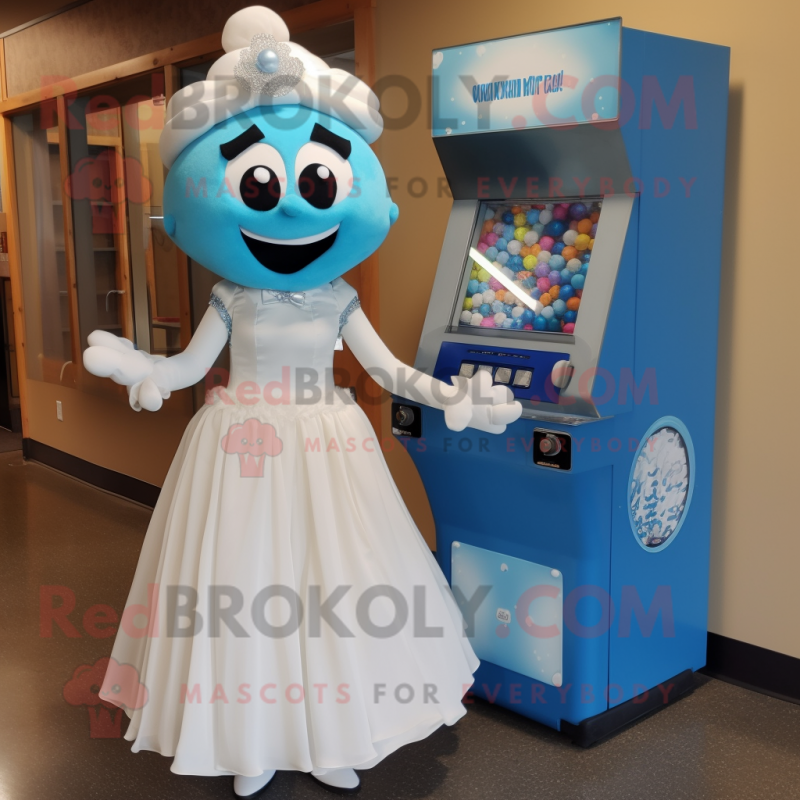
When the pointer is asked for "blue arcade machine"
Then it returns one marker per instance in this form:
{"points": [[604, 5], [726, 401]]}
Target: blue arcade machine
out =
{"points": [[581, 268]]}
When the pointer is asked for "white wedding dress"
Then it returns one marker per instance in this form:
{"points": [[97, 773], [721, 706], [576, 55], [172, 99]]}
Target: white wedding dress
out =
{"points": [[312, 504]]}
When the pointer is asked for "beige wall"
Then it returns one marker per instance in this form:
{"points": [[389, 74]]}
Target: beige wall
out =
{"points": [[755, 593]]}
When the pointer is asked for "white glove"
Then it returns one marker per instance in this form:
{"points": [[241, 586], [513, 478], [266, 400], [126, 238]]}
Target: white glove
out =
{"points": [[478, 403], [110, 356]]}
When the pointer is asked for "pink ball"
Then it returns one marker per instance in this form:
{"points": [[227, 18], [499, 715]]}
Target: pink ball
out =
{"points": [[543, 285], [482, 247], [546, 243], [487, 322], [491, 238], [573, 226], [527, 327], [495, 284], [563, 205], [569, 327], [559, 212]]}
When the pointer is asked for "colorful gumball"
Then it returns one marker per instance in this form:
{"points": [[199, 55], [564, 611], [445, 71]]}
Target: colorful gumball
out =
{"points": [[547, 312], [582, 242], [491, 253], [546, 299], [482, 247], [483, 276], [532, 216], [574, 303], [569, 252], [502, 243], [529, 262], [545, 216], [499, 319], [570, 236], [544, 256], [556, 228], [508, 218], [559, 308], [486, 309], [476, 319], [467, 304], [528, 316], [520, 219], [566, 292], [557, 261], [554, 325], [514, 246], [516, 210], [497, 228], [584, 226], [515, 263], [539, 228], [546, 242], [466, 317], [472, 286], [508, 232], [502, 257], [574, 265], [542, 270], [519, 233], [491, 239], [578, 281], [543, 284], [497, 306], [558, 247], [554, 292], [559, 213], [487, 322], [569, 327], [570, 316], [540, 324], [554, 277], [578, 211]]}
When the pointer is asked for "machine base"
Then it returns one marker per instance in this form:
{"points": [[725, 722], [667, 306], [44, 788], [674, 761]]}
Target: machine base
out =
{"points": [[602, 726]]}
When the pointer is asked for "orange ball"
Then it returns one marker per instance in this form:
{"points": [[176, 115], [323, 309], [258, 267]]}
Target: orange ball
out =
{"points": [[545, 299], [584, 226], [524, 251], [536, 249], [516, 209], [523, 274], [553, 291], [500, 294], [487, 226], [569, 252], [574, 303], [594, 216]]}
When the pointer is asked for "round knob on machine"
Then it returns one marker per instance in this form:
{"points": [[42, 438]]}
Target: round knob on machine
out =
{"points": [[404, 416], [561, 374], [550, 445]]}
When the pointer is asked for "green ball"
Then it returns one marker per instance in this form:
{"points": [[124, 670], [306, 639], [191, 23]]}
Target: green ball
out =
{"points": [[483, 276], [467, 304]]}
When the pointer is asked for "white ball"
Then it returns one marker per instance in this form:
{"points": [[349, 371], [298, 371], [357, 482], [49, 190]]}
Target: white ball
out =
{"points": [[499, 318], [476, 320], [569, 237], [574, 265], [517, 312], [543, 257], [531, 237], [514, 246], [488, 297], [545, 216], [477, 300], [466, 316]]}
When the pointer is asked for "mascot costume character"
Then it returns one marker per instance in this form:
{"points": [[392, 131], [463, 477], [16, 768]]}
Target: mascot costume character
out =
{"points": [[298, 621]]}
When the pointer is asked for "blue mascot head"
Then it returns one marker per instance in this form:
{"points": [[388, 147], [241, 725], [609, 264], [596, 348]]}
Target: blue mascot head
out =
{"points": [[272, 182]]}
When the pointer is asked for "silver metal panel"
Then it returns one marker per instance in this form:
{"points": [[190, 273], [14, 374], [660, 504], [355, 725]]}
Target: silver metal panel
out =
{"points": [[583, 346], [509, 164]]}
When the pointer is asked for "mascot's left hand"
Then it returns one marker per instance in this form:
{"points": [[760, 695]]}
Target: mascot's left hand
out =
{"points": [[478, 403]]}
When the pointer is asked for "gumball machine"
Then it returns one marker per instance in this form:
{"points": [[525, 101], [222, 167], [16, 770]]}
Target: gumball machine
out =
{"points": [[578, 544]]}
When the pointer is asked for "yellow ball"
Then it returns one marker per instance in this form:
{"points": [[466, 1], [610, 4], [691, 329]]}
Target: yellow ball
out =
{"points": [[581, 242], [483, 276], [474, 274], [520, 219], [467, 303], [591, 244], [519, 233], [529, 262]]}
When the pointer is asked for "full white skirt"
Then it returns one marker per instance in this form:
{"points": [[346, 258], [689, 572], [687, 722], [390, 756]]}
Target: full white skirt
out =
{"points": [[320, 514]]}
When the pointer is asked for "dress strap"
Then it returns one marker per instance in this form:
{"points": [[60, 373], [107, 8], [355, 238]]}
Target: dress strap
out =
{"points": [[345, 315], [216, 302]]}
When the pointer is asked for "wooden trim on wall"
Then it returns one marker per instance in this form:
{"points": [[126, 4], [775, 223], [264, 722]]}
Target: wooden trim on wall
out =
{"points": [[10, 198], [69, 237], [3, 84]]}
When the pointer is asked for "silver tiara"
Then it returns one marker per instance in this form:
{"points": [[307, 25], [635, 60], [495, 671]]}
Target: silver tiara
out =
{"points": [[267, 67]]}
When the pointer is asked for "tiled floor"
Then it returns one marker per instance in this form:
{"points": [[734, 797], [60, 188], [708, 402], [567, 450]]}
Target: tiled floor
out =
{"points": [[720, 743]]}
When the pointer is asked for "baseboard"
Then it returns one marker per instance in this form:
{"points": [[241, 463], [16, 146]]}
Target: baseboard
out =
{"points": [[753, 667], [102, 478]]}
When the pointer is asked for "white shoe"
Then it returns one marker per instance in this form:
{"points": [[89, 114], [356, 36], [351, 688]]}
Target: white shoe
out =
{"points": [[343, 781], [244, 786]]}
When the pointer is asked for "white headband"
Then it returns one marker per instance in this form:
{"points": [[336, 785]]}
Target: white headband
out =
{"points": [[261, 67]]}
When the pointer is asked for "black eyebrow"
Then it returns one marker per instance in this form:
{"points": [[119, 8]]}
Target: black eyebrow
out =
{"points": [[329, 139], [238, 145]]}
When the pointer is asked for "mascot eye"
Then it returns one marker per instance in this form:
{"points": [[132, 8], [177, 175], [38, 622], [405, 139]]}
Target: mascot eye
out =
{"points": [[260, 188], [324, 178], [317, 185], [257, 177]]}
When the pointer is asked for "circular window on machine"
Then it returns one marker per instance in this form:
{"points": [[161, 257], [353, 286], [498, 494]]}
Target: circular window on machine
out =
{"points": [[661, 483]]}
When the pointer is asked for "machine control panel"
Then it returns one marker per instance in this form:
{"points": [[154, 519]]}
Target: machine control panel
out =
{"points": [[528, 373], [552, 449]]}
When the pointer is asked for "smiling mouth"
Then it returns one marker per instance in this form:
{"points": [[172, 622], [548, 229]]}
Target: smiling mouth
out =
{"points": [[287, 256]]}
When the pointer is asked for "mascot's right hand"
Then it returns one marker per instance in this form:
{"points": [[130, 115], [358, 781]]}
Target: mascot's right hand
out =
{"points": [[110, 356]]}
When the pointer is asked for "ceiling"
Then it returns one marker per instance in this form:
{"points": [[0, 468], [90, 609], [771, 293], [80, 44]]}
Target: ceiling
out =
{"points": [[14, 13]]}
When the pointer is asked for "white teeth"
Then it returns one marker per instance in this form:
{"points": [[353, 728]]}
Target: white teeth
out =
{"points": [[302, 240]]}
